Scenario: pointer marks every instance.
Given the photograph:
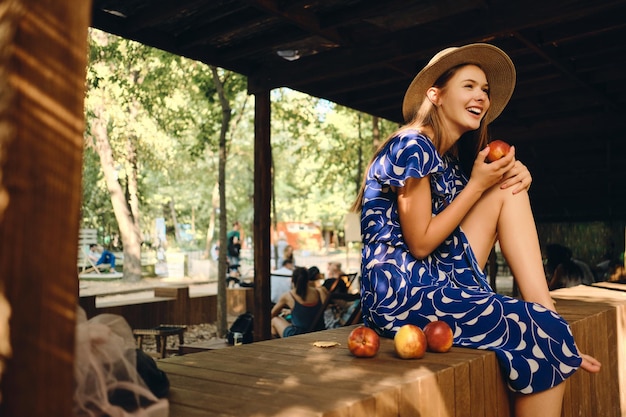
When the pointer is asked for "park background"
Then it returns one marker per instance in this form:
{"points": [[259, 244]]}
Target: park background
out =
{"points": [[155, 132]]}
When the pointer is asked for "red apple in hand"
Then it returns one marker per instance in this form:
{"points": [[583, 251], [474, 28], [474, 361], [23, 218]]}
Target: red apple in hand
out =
{"points": [[438, 336], [410, 342], [497, 149], [363, 342]]}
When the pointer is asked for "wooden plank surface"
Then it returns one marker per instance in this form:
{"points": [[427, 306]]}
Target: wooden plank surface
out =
{"points": [[292, 377], [292, 374], [597, 316]]}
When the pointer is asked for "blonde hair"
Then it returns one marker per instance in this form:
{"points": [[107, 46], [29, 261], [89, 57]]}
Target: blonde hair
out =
{"points": [[466, 148]]}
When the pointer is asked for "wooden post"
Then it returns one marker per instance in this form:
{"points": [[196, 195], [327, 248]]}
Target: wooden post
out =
{"points": [[43, 56], [262, 200]]}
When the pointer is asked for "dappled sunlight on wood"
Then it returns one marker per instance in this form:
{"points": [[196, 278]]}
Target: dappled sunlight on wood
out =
{"points": [[294, 377]]}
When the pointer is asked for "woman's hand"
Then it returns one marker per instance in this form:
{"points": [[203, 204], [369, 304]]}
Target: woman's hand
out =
{"points": [[518, 177], [590, 364], [485, 175]]}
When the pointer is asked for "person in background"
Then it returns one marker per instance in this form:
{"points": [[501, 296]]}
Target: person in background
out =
{"points": [[280, 280], [315, 276], [288, 254], [233, 241], [303, 301], [432, 207], [566, 274], [334, 273], [100, 256], [563, 271], [280, 248]]}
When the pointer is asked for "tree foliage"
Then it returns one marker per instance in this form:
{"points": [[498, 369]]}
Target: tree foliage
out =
{"points": [[167, 107]]}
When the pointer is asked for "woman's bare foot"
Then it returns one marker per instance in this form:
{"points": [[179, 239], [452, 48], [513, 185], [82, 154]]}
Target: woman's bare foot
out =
{"points": [[590, 364]]}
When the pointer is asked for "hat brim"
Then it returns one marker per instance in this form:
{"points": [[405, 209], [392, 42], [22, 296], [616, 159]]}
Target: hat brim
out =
{"points": [[496, 64]]}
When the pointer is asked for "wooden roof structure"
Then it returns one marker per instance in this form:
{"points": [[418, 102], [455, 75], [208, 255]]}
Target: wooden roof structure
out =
{"points": [[565, 117]]}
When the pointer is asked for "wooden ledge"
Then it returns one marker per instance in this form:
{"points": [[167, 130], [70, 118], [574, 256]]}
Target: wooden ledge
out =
{"points": [[291, 377]]}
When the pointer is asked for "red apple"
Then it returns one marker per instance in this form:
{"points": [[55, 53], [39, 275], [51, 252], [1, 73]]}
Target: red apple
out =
{"points": [[438, 336], [363, 342], [497, 149], [410, 342]]}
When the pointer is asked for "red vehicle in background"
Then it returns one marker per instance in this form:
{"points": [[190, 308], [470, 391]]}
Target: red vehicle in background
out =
{"points": [[301, 236]]}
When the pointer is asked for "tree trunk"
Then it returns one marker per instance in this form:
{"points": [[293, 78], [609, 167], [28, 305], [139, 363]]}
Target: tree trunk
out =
{"points": [[215, 201], [221, 269], [133, 188], [129, 232], [174, 220]]}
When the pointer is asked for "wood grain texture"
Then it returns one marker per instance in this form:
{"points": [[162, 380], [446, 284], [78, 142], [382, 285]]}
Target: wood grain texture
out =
{"points": [[292, 377], [42, 172]]}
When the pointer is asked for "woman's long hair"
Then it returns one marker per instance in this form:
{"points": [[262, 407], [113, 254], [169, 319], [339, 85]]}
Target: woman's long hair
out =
{"points": [[466, 148], [300, 280]]}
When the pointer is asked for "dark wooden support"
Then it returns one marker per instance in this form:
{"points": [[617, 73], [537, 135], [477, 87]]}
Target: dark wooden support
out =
{"points": [[176, 312], [43, 61], [262, 199]]}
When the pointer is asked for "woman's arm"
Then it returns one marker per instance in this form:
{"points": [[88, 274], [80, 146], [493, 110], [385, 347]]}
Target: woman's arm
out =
{"points": [[424, 232], [323, 293], [280, 305]]}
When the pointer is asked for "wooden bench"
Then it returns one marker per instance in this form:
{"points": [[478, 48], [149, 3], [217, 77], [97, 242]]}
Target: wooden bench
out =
{"points": [[292, 377], [168, 304], [160, 334]]}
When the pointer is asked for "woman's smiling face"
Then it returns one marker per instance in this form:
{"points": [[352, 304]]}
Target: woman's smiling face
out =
{"points": [[464, 100]]}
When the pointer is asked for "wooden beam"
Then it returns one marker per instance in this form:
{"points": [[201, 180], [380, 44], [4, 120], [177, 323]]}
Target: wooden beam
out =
{"points": [[42, 147], [262, 223], [567, 71]]}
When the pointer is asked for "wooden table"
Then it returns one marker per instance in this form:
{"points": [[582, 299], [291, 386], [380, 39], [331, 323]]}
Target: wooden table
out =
{"points": [[292, 378], [160, 333], [202, 346]]}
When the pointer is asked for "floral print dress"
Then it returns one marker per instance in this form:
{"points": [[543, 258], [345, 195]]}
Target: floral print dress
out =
{"points": [[534, 345]]}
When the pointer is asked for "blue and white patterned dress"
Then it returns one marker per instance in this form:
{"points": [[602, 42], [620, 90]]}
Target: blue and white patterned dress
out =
{"points": [[534, 345]]}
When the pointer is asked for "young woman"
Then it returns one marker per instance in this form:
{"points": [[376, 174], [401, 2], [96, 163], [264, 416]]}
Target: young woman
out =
{"points": [[303, 300], [432, 209]]}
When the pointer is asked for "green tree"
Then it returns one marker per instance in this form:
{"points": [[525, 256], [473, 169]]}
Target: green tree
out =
{"points": [[133, 115]]}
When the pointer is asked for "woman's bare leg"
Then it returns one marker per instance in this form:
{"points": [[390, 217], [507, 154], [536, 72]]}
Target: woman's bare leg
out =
{"points": [[509, 217], [279, 325], [546, 403]]}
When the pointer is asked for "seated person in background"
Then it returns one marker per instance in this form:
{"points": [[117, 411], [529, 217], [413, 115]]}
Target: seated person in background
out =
{"points": [[280, 280], [566, 274], [334, 273], [557, 255], [617, 272], [338, 309], [303, 300], [315, 276], [100, 256]]}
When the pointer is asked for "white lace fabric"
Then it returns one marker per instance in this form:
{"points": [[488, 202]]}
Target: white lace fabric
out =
{"points": [[107, 381]]}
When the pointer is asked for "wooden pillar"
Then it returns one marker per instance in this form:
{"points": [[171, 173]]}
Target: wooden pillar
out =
{"points": [[262, 199], [43, 48]]}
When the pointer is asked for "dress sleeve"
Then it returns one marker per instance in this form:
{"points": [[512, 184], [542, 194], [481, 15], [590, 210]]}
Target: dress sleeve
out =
{"points": [[409, 154]]}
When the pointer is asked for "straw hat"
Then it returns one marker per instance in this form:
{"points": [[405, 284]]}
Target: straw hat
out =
{"points": [[497, 65]]}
